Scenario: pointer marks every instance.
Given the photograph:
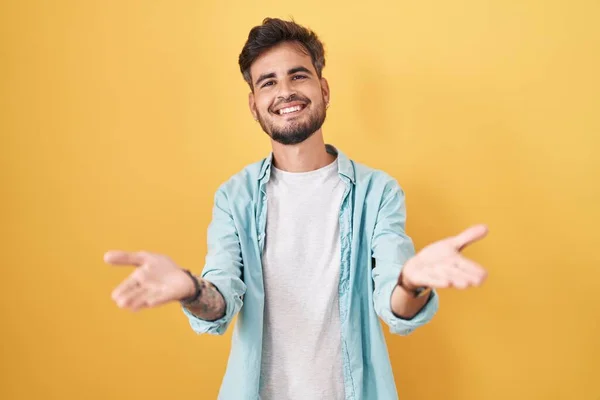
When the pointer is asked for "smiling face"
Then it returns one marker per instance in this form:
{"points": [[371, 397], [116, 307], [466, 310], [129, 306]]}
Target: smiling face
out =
{"points": [[289, 99]]}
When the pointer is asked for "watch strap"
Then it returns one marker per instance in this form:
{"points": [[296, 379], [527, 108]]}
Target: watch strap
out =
{"points": [[416, 292], [197, 286]]}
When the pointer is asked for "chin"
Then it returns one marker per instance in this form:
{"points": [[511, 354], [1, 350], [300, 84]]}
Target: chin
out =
{"points": [[291, 138]]}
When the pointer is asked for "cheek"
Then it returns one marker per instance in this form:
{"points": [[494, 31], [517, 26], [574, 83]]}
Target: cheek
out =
{"points": [[263, 106], [316, 95]]}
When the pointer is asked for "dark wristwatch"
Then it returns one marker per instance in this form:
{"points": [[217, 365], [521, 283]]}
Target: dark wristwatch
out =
{"points": [[198, 291], [416, 293]]}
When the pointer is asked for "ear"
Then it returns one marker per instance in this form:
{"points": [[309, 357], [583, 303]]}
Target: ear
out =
{"points": [[325, 90], [252, 106]]}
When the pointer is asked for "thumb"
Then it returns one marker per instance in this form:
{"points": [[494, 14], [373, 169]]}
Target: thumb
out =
{"points": [[119, 257], [470, 235]]}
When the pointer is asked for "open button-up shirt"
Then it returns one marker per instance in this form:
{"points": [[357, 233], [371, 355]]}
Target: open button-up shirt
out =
{"points": [[374, 248]]}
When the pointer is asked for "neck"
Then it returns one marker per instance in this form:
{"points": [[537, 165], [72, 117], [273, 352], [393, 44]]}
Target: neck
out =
{"points": [[302, 157]]}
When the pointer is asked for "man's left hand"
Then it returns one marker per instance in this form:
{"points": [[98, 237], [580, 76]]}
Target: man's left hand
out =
{"points": [[440, 264]]}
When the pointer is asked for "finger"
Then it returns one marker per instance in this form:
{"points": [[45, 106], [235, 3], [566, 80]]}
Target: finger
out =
{"points": [[139, 301], [462, 279], [470, 235], [437, 280], [124, 287], [122, 292], [459, 282], [455, 276], [152, 301], [155, 299], [127, 299], [475, 271], [119, 257]]}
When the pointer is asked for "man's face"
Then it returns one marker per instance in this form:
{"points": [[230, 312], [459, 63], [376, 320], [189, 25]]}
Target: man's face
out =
{"points": [[289, 99]]}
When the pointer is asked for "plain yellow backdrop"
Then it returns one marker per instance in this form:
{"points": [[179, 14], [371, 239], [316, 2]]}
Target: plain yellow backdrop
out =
{"points": [[119, 119]]}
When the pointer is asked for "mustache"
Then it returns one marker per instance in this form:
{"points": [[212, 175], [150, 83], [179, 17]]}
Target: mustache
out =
{"points": [[289, 99]]}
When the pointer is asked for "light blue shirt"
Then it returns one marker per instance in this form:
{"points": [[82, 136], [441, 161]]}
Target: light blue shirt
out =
{"points": [[374, 247]]}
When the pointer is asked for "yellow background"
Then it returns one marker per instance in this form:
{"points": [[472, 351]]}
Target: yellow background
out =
{"points": [[120, 119]]}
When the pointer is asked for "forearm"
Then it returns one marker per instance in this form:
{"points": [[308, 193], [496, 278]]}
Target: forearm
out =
{"points": [[210, 306], [404, 305]]}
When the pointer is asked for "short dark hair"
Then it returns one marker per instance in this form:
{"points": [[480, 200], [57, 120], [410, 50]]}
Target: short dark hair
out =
{"points": [[274, 31]]}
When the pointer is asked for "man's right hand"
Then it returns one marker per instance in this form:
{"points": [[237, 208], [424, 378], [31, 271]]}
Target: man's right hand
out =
{"points": [[155, 281]]}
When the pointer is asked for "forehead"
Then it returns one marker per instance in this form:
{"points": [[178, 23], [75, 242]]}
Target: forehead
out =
{"points": [[280, 58]]}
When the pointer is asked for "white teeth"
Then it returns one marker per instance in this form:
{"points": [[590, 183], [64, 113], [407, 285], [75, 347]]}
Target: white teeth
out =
{"points": [[289, 110]]}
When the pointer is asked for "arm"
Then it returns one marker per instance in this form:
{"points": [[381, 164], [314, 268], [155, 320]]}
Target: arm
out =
{"points": [[158, 279], [438, 265], [210, 305], [405, 305], [222, 274], [391, 248]]}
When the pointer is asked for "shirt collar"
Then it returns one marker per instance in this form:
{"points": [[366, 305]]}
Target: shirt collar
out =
{"points": [[345, 167]]}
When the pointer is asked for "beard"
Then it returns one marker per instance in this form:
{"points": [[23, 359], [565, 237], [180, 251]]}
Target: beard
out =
{"points": [[296, 131]]}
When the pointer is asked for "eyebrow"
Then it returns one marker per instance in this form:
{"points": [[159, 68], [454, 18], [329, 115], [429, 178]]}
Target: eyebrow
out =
{"points": [[273, 75]]}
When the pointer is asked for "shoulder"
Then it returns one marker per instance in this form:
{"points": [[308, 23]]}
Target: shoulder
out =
{"points": [[244, 182], [375, 180]]}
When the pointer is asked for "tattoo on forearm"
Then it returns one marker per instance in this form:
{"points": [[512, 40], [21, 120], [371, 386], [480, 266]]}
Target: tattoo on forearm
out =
{"points": [[210, 306]]}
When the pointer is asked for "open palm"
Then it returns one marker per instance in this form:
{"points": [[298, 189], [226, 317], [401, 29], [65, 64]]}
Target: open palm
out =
{"points": [[441, 265], [156, 280]]}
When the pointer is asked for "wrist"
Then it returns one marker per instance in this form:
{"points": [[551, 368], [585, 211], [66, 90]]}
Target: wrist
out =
{"points": [[195, 289], [413, 289], [403, 282]]}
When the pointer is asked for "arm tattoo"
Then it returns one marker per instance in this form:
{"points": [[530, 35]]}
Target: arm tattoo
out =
{"points": [[210, 306]]}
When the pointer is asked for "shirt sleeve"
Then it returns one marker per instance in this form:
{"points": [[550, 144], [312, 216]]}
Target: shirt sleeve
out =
{"points": [[391, 248], [223, 267]]}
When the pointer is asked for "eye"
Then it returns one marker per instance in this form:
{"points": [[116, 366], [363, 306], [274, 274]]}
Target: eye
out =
{"points": [[268, 84], [299, 77]]}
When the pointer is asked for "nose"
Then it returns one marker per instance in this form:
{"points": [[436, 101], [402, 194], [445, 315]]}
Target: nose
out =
{"points": [[286, 89]]}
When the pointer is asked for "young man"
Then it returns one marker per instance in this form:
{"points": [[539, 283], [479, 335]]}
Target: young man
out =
{"points": [[307, 247]]}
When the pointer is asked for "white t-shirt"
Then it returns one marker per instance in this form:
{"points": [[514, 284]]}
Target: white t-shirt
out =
{"points": [[301, 353]]}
